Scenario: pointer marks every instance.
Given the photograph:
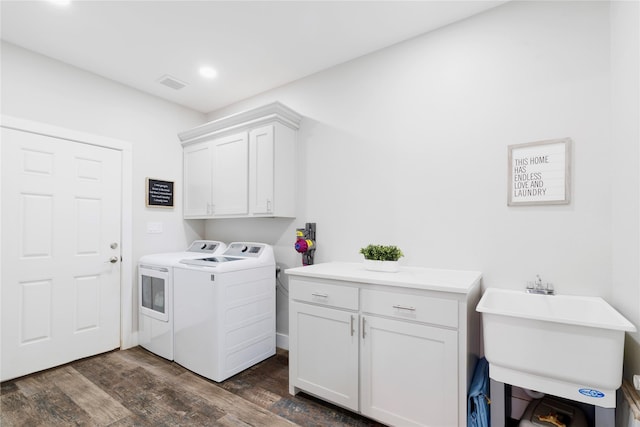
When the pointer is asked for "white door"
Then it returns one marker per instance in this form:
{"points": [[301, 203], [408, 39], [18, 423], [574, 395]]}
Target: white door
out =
{"points": [[197, 180], [409, 373], [261, 148], [231, 175], [326, 359], [61, 205]]}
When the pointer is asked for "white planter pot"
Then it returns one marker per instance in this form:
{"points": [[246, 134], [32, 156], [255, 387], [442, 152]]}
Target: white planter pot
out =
{"points": [[386, 266]]}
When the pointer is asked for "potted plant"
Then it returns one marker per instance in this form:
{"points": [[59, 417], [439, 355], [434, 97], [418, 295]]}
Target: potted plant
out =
{"points": [[381, 257]]}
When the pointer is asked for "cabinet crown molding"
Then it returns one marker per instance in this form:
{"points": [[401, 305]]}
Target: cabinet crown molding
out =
{"points": [[244, 120]]}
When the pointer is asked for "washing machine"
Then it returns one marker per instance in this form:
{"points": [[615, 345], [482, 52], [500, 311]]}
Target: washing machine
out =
{"points": [[225, 310], [155, 289]]}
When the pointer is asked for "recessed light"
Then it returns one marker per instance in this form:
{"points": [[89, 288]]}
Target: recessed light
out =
{"points": [[61, 2], [208, 72]]}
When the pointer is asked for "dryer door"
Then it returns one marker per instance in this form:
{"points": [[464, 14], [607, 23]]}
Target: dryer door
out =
{"points": [[154, 288]]}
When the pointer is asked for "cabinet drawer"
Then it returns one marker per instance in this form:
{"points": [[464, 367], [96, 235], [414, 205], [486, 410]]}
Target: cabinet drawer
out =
{"points": [[425, 309], [324, 293]]}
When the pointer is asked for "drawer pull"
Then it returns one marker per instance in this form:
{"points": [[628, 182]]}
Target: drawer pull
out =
{"points": [[404, 307], [320, 295]]}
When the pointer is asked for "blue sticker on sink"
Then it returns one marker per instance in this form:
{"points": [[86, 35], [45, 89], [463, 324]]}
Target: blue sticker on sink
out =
{"points": [[591, 393]]}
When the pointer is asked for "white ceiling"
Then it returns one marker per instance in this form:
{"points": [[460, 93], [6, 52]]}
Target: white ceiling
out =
{"points": [[254, 45]]}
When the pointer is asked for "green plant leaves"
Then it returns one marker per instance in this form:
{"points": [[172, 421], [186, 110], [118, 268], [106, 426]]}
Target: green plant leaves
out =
{"points": [[381, 252]]}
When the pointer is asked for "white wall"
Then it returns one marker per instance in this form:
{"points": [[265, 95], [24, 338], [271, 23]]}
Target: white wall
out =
{"points": [[625, 113], [38, 88], [408, 146]]}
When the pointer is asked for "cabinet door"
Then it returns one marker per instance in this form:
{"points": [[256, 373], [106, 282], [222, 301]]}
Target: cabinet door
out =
{"points": [[261, 169], [230, 175], [323, 357], [409, 373], [197, 180]]}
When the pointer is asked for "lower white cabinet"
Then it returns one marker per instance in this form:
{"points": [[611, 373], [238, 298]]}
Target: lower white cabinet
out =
{"points": [[327, 358], [409, 373], [383, 344]]}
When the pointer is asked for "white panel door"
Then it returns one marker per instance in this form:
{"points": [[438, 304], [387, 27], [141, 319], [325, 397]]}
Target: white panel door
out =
{"points": [[409, 373], [61, 204], [325, 361], [261, 178], [197, 180], [230, 175]]}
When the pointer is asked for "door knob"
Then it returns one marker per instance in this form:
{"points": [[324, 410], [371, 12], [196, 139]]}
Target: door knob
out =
{"points": [[113, 259]]}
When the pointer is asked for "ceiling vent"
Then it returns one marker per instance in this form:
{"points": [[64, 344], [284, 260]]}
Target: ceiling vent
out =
{"points": [[172, 82]]}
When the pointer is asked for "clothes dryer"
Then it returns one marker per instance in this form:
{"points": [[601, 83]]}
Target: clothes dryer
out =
{"points": [[155, 299], [225, 310]]}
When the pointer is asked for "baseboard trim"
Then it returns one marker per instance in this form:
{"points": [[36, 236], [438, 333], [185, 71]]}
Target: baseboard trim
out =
{"points": [[282, 341]]}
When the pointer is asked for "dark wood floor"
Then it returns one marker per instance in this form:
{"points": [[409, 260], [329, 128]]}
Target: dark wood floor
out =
{"points": [[137, 388]]}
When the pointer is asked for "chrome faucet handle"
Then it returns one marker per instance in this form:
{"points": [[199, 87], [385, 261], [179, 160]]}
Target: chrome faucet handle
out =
{"points": [[538, 287]]}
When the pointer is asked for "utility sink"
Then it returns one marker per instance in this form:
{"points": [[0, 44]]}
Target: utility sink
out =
{"points": [[567, 346]]}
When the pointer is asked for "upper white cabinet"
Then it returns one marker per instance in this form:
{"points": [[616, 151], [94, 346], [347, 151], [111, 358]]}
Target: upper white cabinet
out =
{"points": [[243, 165], [197, 173], [261, 170], [230, 175]]}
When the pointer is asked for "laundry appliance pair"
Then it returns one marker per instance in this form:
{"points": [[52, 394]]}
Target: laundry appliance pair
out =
{"points": [[210, 308]]}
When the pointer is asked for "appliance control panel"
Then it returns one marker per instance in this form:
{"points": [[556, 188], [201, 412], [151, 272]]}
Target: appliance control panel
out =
{"points": [[248, 250], [204, 246]]}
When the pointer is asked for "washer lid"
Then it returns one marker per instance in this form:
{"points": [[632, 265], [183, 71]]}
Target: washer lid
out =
{"points": [[197, 249], [210, 261]]}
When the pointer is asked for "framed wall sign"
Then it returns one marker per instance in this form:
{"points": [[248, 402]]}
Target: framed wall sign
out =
{"points": [[539, 173], [159, 193]]}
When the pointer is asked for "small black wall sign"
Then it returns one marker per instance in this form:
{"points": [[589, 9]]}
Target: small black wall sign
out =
{"points": [[159, 193]]}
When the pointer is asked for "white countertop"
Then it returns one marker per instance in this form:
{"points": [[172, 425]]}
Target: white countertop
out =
{"points": [[456, 281]]}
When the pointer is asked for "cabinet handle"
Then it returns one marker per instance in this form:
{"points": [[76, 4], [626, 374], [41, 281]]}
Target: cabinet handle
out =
{"points": [[352, 330], [268, 205], [320, 295], [363, 333], [404, 307]]}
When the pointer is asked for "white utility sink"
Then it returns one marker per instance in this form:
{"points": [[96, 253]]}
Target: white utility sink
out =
{"points": [[567, 346]]}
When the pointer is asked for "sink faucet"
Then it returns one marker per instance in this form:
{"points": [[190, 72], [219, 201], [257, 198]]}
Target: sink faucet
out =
{"points": [[538, 288]]}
